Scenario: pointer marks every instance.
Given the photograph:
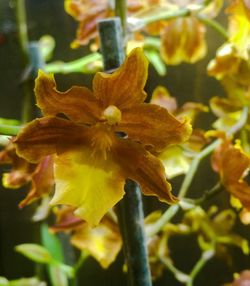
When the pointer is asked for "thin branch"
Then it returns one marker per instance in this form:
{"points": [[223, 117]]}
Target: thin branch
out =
{"points": [[179, 275], [82, 65], [166, 217], [214, 25], [217, 188], [205, 257]]}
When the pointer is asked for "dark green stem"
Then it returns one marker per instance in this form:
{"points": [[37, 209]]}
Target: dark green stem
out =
{"points": [[111, 43], [131, 218]]}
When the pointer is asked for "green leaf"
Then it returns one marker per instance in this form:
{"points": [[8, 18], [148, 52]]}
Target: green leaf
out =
{"points": [[155, 59], [27, 282], [51, 242], [34, 252], [3, 281], [57, 276]]}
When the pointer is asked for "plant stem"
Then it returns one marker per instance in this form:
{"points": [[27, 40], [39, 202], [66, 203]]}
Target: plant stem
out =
{"points": [[131, 218], [121, 12], [205, 257], [80, 261], [194, 166], [24, 43], [22, 28], [207, 195], [179, 275], [83, 65], [137, 22], [213, 24], [166, 217]]}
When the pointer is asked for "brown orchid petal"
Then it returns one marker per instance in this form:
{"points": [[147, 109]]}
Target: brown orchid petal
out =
{"points": [[242, 280], [66, 220], [87, 28], [87, 13], [232, 163], [241, 191], [42, 181], [153, 125], [235, 163], [15, 179], [124, 87], [144, 168], [77, 103], [48, 135], [6, 155], [21, 170]]}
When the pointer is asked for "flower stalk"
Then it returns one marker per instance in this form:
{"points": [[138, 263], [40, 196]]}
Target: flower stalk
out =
{"points": [[205, 257], [131, 218], [24, 45]]}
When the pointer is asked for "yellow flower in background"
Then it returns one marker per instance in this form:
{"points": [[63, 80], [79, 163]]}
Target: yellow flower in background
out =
{"points": [[105, 138], [183, 40], [239, 26], [177, 158]]}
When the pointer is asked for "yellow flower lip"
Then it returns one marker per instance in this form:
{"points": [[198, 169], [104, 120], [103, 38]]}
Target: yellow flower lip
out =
{"points": [[112, 114]]}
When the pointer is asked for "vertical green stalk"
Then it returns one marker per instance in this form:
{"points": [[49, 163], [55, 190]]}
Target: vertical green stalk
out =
{"points": [[121, 12], [131, 218], [22, 28], [24, 43]]}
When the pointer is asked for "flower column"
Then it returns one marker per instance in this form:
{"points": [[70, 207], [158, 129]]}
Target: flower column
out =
{"points": [[131, 216]]}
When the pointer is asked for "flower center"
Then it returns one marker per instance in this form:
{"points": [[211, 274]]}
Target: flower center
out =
{"points": [[112, 114]]}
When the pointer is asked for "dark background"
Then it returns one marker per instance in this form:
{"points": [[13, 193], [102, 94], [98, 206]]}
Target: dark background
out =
{"points": [[186, 82]]}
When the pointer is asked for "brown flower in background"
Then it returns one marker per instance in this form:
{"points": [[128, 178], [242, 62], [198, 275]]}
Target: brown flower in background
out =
{"points": [[232, 164], [88, 12], [23, 172]]}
